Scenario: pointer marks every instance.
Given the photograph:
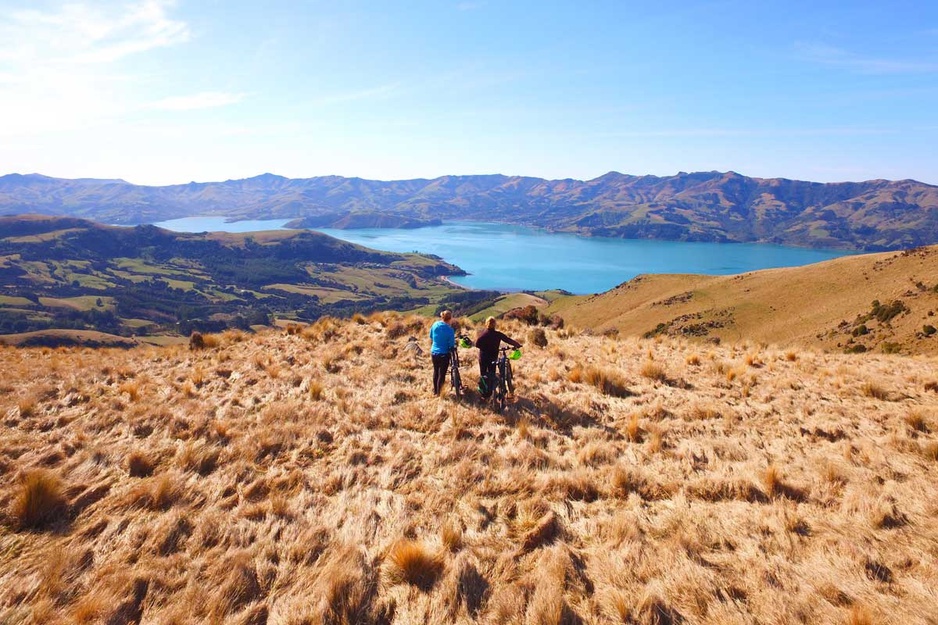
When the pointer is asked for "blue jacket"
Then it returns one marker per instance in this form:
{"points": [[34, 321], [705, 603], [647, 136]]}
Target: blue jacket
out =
{"points": [[443, 337]]}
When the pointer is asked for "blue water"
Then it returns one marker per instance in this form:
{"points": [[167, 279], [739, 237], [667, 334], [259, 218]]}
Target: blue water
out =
{"points": [[503, 257], [218, 224]]}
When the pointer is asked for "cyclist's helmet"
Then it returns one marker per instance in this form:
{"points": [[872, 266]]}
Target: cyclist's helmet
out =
{"points": [[465, 342], [515, 354]]}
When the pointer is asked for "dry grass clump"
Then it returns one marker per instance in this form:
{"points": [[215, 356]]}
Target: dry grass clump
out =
{"points": [[27, 407], [316, 390], [626, 480], [140, 464], [653, 371], [40, 501], [414, 563], [608, 382], [917, 422], [155, 493], [537, 337], [451, 534], [874, 390], [634, 431]]}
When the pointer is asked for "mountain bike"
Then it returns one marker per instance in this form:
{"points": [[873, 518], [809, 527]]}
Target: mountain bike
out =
{"points": [[454, 377], [504, 384]]}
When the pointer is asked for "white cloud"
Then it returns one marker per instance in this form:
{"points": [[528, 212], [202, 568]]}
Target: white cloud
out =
{"points": [[204, 100], [81, 33], [67, 65]]}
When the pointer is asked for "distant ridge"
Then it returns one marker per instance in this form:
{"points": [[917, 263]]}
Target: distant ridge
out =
{"points": [[874, 215]]}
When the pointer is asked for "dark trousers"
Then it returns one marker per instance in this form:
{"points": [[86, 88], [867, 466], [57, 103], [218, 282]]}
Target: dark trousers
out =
{"points": [[486, 373], [487, 367], [440, 365]]}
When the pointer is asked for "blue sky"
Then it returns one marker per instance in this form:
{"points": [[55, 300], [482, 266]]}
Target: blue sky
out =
{"points": [[164, 92]]}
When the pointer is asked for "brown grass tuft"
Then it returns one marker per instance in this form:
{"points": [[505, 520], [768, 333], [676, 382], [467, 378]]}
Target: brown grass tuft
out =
{"points": [[156, 493], [27, 407], [544, 532], [139, 464], [40, 501], [633, 431], [654, 371], [653, 610], [608, 382], [131, 388], [859, 615], [627, 480], [412, 562], [316, 390], [874, 390], [451, 534], [917, 422], [772, 480]]}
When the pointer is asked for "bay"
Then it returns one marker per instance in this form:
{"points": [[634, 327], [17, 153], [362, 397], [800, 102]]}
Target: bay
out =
{"points": [[504, 257], [213, 223], [515, 258]]}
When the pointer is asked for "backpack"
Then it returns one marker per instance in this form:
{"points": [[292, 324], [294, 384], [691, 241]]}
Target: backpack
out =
{"points": [[487, 384]]}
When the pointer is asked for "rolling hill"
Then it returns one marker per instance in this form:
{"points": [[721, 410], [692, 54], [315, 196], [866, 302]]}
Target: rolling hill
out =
{"points": [[62, 272], [308, 476], [704, 206], [883, 302]]}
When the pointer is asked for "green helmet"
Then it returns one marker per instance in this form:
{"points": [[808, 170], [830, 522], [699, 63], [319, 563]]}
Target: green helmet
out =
{"points": [[465, 342], [515, 354]]}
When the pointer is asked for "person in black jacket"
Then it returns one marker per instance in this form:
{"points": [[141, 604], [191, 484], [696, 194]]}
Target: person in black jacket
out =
{"points": [[488, 342]]}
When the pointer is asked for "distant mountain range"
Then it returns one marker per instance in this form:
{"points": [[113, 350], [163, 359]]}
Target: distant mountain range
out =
{"points": [[705, 206]]}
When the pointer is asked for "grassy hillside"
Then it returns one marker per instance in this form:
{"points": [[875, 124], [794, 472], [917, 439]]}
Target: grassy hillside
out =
{"points": [[307, 476], [58, 273], [828, 305]]}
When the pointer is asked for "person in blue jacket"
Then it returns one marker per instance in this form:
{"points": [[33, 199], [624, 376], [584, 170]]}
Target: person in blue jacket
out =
{"points": [[443, 339]]}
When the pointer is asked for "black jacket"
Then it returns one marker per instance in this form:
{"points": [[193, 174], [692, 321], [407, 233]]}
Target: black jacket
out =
{"points": [[489, 342]]}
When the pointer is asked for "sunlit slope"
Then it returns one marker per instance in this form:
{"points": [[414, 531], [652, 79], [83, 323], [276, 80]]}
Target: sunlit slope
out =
{"points": [[821, 305], [307, 476]]}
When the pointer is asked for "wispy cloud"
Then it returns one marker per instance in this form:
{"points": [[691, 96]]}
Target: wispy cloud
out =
{"points": [[838, 57], [80, 33], [70, 64], [204, 100]]}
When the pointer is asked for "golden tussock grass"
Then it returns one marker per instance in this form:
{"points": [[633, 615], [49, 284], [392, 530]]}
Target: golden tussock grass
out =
{"points": [[40, 500], [654, 371], [412, 562], [608, 381], [874, 390], [339, 491]]}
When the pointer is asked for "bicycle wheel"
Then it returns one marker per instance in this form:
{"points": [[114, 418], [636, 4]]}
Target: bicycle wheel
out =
{"points": [[501, 395], [454, 375], [509, 380]]}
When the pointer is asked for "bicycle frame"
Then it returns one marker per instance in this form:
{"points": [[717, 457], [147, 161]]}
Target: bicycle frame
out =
{"points": [[454, 376], [504, 385]]}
